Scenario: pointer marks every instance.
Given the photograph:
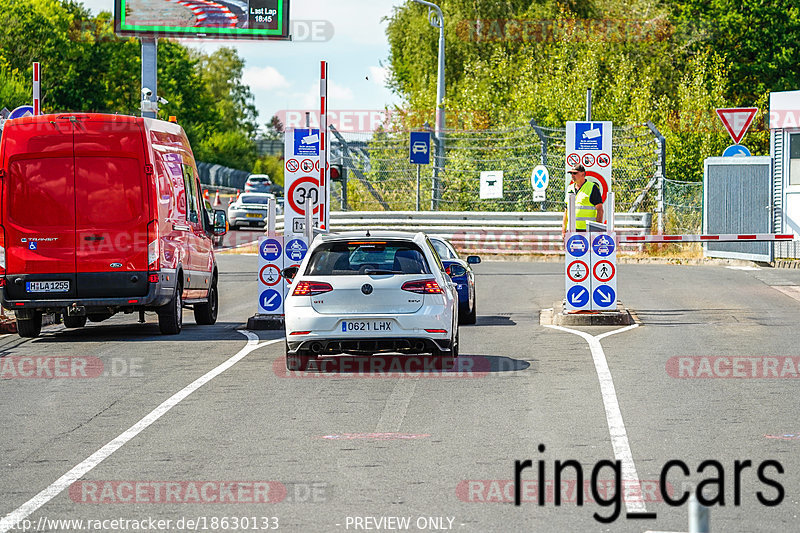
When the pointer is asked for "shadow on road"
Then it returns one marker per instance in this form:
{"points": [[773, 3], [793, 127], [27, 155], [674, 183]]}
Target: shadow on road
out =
{"points": [[135, 332]]}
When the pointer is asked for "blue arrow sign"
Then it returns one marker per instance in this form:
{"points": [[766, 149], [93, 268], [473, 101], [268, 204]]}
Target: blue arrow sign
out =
{"points": [[21, 111], [604, 296], [603, 245], [578, 296], [736, 150], [577, 245], [270, 249], [270, 300], [296, 250]]}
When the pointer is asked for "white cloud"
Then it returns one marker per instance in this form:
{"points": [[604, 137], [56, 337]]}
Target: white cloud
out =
{"points": [[336, 95], [264, 78], [378, 75]]}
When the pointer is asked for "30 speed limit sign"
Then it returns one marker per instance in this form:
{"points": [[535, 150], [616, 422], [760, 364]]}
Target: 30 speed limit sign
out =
{"points": [[303, 192]]}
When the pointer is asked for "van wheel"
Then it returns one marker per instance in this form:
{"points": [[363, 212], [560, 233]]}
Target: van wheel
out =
{"points": [[31, 326], [170, 316], [74, 321], [206, 314]]}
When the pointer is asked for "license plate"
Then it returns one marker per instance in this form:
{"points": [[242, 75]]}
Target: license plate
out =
{"points": [[254, 215], [47, 286], [366, 325]]}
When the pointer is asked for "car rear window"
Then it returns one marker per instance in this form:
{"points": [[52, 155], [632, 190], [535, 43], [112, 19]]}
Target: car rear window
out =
{"points": [[258, 180], [364, 257], [253, 199], [442, 249]]}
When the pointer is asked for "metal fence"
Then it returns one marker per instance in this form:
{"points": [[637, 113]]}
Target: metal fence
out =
{"points": [[683, 207], [379, 175]]}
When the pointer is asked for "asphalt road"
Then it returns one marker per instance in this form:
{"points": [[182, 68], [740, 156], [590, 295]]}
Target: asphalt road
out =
{"points": [[346, 450]]}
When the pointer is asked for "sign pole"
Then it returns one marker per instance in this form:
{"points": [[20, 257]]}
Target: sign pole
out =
{"points": [[149, 76], [418, 186], [37, 101], [323, 146]]}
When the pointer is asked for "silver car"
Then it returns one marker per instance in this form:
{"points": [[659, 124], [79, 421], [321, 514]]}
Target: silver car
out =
{"points": [[250, 209]]}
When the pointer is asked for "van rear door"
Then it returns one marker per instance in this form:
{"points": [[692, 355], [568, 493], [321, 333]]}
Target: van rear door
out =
{"points": [[39, 209], [112, 208]]}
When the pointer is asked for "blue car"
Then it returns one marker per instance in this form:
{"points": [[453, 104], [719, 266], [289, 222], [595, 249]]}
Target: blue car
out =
{"points": [[462, 275]]}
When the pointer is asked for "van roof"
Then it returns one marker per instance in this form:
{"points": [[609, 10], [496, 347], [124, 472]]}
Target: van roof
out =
{"points": [[149, 123]]}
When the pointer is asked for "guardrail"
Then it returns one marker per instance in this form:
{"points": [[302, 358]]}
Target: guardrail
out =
{"points": [[483, 231]]}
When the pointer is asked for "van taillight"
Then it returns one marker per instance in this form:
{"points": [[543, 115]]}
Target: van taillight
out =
{"points": [[153, 247], [153, 278], [2, 251], [422, 286]]}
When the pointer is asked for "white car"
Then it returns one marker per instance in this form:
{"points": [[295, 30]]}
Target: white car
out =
{"points": [[250, 209], [365, 293]]}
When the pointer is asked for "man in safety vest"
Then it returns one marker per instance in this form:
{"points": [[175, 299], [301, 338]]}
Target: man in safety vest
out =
{"points": [[588, 200]]}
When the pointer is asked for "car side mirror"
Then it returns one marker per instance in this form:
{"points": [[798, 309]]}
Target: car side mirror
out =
{"points": [[289, 273], [473, 259], [220, 222], [456, 271]]}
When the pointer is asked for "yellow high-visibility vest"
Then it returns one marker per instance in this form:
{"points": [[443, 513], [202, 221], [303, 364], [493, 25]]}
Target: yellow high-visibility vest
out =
{"points": [[584, 210]]}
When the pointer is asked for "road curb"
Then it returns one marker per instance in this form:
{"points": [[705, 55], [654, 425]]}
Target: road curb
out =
{"points": [[258, 322]]}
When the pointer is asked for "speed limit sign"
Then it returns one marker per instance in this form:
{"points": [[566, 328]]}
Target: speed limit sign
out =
{"points": [[303, 192]]}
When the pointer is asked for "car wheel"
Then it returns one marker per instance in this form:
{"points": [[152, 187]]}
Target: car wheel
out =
{"points": [[298, 361], [206, 314], [472, 316], [170, 315], [30, 326], [74, 321]]}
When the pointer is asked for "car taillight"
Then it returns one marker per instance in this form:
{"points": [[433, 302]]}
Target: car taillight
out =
{"points": [[153, 247], [311, 288], [2, 251], [422, 286], [153, 278]]}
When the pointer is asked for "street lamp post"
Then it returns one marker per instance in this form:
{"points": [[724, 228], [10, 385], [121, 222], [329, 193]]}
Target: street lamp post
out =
{"points": [[437, 21]]}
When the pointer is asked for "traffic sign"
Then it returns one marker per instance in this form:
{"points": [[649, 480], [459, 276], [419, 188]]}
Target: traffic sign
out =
{"points": [[603, 245], [577, 271], [292, 165], [603, 160], [588, 160], [419, 147], [578, 296], [270, 249], [573, 159], [296, 250], [21, 111], [270, 300], [301, 192], [603, 271], [736, 120], [270, 275], [577, 245], [736, 150], [540, 177], [307, 166], [604, 297], [491, 184]]}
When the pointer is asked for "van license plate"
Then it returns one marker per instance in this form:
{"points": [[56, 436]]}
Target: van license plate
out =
{"points": [[366, 325], [47, 286]]}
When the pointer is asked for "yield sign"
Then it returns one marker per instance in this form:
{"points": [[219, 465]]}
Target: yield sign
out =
{"points": [[737, 120]]}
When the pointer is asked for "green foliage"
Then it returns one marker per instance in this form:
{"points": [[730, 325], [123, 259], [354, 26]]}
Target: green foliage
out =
{"points": [[272, 166], [86, 67]]}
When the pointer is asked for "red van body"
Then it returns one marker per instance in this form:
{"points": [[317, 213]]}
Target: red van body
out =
{"points": [[101, 214]]}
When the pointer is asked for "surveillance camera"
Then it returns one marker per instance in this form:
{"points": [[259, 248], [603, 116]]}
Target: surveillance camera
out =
{"points": [[146, 93], [162, 100]]}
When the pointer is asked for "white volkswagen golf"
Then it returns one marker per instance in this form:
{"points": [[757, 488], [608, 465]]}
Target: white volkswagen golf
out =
{"points": [[364, 293]]}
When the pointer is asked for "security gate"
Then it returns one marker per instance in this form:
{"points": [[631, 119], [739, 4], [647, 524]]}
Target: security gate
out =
{"points": [[737, 198]]}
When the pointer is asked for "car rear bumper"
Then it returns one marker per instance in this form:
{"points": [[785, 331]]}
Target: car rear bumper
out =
{"points": [[368, 345], [156, 295]]}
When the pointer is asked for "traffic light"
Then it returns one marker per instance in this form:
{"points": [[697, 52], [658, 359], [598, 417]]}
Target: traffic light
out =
{"points": [[337, 172]]}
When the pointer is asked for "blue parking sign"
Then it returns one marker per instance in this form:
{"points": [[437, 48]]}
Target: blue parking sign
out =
{"points": [[420, 148]]}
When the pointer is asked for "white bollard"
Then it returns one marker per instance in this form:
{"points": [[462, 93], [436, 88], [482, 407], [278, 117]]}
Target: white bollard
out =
{"points": [[611, 213], [571, 220], [698, 516], [272, 208], [308, 229]]}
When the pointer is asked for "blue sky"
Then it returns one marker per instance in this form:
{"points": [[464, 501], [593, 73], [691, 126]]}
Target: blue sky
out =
{"points": [[285, 75]]}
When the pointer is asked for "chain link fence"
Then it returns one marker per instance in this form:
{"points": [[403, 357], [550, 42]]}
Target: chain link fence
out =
{"points": [[379, 175], [683, 207]]}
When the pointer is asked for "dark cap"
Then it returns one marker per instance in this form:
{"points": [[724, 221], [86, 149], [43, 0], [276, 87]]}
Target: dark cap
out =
{"points": [[576, 168]]}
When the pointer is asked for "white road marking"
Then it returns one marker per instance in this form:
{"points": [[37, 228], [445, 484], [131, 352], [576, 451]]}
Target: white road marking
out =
{"points": [[616, 426], [792, 291], [743, 268], [12, 519], [394, 412]]}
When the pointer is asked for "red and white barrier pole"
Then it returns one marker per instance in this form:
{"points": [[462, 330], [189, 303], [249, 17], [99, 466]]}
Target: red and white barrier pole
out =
{"points": [[323, 145], [37, 101], [722, 237]]}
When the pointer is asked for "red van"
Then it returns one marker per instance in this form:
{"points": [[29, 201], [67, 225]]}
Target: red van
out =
{"points": [[101, 214]]}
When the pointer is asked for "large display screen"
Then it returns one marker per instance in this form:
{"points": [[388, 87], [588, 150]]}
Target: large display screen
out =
{"points": [[221, 19]]}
